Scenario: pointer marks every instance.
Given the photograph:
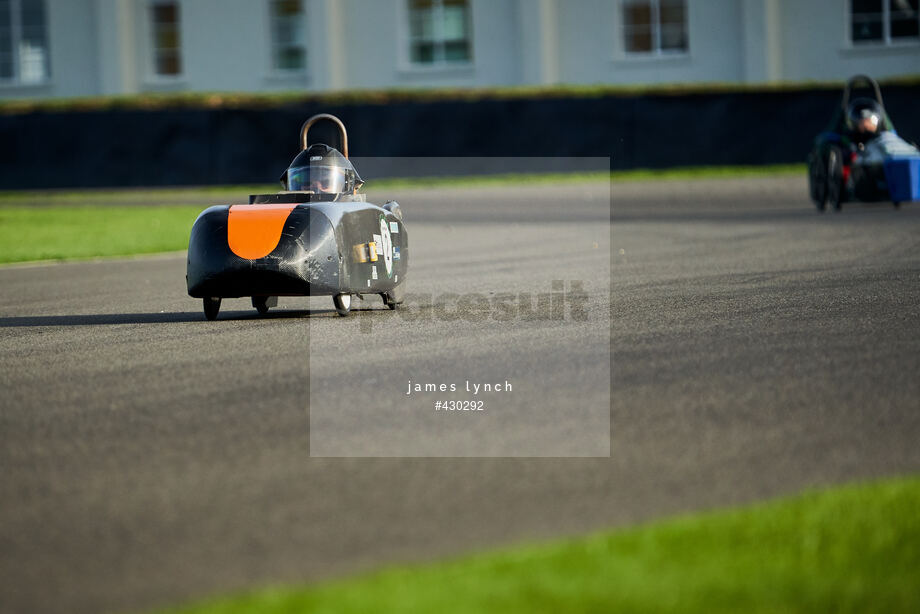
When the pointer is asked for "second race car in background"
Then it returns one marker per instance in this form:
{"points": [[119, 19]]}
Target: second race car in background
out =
{"points": [[861, 157]]}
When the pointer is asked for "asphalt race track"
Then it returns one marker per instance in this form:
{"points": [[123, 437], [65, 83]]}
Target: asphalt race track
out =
{"points": [[148, 457]]}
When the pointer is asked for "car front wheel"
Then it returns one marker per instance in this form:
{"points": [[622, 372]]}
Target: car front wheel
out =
{"points": [[263, 303], [342, 304], [818, 172], [211, 306]]}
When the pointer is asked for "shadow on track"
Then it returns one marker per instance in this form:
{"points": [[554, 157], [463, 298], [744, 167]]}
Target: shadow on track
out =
{"points": [[101, 319], [104, 319]]}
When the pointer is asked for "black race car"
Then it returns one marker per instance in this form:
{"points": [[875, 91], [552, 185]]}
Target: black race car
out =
{"points": [[317, 237]]}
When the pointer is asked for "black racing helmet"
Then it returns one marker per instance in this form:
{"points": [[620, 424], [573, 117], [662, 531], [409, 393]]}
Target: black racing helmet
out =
{"points": [[322, 170], [865, 110]]}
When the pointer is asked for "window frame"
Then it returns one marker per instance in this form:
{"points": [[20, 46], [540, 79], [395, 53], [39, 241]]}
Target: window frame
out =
{"points": [[439, 64], [154, 75], [657, 52], [886, 40], [16, 36], [273, 69]]}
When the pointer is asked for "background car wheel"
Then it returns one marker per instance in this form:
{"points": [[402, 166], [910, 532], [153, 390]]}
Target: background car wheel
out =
{"points": [[896, 204], [835, 178], [818, 177], [211, 306], [342, 304]]}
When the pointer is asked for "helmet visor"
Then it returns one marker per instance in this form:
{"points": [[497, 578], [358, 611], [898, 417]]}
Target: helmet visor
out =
{"points": [[317, 179]]}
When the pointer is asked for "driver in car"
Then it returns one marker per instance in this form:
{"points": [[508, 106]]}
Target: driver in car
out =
{"points": [[872, 135], [321, 169]]}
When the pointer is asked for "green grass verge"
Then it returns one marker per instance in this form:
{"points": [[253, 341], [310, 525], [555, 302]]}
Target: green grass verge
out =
{"points": [[510, 179], [63, 225], [709, 172], [82, 231], [849, 549], [230, 193], [132, 196]]}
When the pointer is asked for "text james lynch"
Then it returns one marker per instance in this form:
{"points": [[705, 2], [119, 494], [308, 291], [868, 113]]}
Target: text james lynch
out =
{"points": [[470, 387]]}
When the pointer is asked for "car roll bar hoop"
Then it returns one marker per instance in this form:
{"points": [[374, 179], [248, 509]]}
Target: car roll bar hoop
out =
{"points": [[861, 80], [309, 123]]}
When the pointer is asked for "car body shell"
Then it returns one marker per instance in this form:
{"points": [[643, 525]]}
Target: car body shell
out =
{"points": [[316, 248]]}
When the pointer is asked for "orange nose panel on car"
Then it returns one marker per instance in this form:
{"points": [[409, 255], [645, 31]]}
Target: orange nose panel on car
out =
{"points": [[253, 231]]}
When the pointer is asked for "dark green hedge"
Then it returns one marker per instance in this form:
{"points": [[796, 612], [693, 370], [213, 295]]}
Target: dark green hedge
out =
{"points": [[218, 139]]}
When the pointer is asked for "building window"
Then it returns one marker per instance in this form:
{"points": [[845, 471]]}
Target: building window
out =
{"points": [[23, 42], [167, 38], [289, 53], [439, 32], [655, 27], [884, 21]]}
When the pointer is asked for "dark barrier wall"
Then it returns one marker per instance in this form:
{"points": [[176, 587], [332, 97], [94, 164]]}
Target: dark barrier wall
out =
{"points": [[232, 146]]}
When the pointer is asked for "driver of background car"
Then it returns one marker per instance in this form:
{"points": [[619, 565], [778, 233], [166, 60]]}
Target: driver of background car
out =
{"points": [[864, 120]]}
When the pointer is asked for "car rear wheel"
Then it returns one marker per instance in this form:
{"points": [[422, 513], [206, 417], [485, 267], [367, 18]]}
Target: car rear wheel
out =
{"points": [[835, 178], [211, 306], [342, 304]]}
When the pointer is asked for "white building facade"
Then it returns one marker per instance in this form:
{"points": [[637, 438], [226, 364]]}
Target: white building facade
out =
{"points": [[72, 48]]}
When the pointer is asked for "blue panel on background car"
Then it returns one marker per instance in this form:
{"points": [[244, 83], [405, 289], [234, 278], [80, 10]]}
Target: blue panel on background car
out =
{"points": [[903, 177]]}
